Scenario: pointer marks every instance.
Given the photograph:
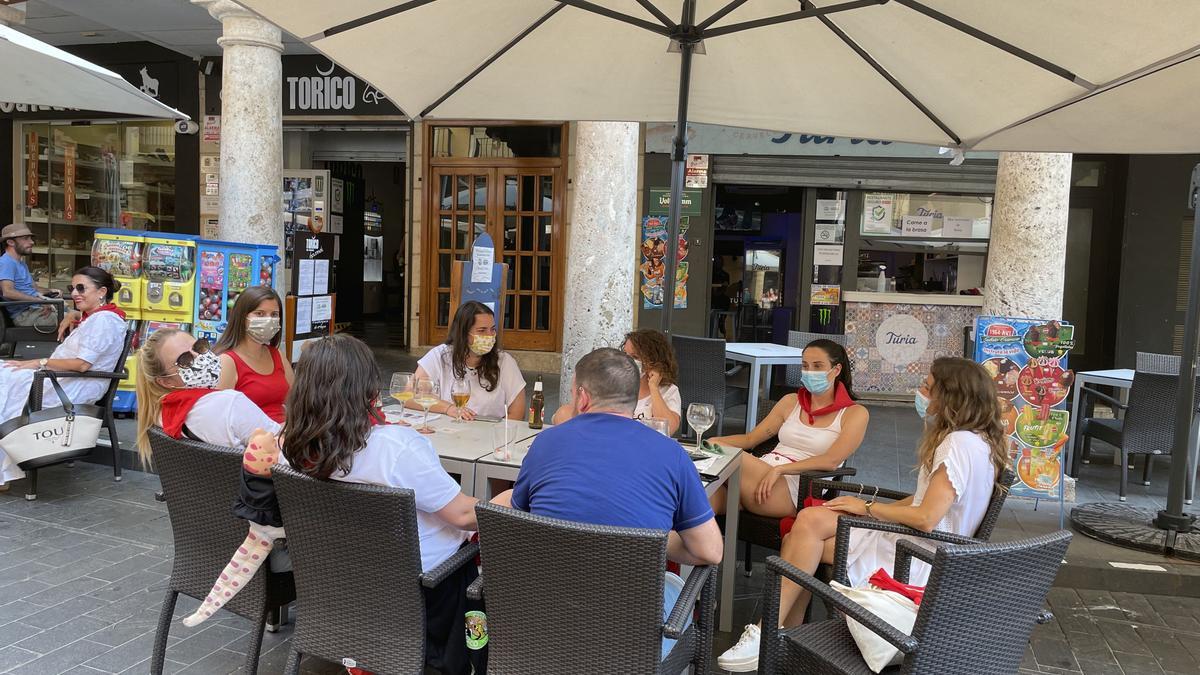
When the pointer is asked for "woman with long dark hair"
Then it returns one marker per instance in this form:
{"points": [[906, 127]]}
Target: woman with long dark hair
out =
{"points": [[341, 437], [249, 349], [472, 355], [94, 343], [959, 457], [818, 427]]}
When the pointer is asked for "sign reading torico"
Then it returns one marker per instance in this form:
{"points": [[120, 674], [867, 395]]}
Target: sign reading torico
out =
{"points": [[314, 85]]}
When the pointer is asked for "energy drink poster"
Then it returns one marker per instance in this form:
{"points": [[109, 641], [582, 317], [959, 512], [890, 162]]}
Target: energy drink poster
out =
{"points": [[654, 264], [1027, 360]]}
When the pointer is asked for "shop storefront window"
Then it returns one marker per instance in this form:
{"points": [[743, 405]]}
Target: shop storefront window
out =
{"points": [[923, 216], [76, 178], [497, 141]]}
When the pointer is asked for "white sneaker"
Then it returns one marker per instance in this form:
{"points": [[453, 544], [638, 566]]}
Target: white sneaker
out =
{"points": [[743, 656]]}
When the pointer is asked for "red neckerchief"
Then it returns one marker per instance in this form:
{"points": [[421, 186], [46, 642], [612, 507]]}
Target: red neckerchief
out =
{"points": [[110, 307], [176, 406], [841, 399]]}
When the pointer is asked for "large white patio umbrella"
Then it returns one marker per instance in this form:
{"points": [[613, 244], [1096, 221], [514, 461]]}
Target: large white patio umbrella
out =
{"points": [[1104, 76], [36, 73]]}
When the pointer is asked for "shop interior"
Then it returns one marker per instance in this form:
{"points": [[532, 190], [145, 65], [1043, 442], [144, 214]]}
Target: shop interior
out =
{"points": [[757, 243]]}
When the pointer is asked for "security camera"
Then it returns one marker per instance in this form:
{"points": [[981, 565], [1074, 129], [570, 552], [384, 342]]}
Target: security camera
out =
{"points": [[186, 127]]}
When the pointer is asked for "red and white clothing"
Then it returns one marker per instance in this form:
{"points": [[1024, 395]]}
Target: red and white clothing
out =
{"points": [[223, 417], [98, 340], [267, 391], [798, 441]]}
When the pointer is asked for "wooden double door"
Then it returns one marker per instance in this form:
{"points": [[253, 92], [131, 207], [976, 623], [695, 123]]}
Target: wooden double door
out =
{"points": [[521, 208]]}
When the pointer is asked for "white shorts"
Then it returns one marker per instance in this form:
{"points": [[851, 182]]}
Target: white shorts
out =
{"points": [[793, 481]]}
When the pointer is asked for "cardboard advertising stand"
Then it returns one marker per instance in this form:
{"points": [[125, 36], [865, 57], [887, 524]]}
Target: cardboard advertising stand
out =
{"points": [[310, 307], [466, 285]]}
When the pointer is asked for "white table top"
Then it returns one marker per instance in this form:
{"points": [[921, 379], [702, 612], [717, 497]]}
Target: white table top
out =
{"points": [[466, 440], [1113, 374], [763, 350]]}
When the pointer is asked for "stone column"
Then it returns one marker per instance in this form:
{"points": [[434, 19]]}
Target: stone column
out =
{"points": [[1027, 253], [11, 16], [602, 241], [251, 125]]}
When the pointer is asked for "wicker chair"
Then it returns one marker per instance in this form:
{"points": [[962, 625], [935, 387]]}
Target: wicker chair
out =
{"points": [[1143, 431], [973, 618], [11, 333], [605, 582], [200, 482], [372, 610], [800, 339], [702, 377], [105, 403]]}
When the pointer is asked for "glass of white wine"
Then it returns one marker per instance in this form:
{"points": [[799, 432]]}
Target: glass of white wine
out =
{"points": [[402, 390], [460, 393], [700, 417], [425, 393]]}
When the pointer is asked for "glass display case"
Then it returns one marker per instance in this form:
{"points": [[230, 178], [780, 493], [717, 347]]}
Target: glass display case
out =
{"points": [[79, 177]]}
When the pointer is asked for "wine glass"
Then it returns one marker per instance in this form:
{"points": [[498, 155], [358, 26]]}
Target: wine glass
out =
{"points": [[401, 389], [656, 423], [460, 393], [700, 417], [425, 393]]}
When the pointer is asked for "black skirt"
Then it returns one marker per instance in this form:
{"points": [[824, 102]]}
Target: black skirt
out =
{"points": [[256, 501]]}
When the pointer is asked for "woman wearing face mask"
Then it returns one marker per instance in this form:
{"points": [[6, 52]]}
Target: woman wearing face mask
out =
{"points": [[471, 354], [658, 395], [959, 457], [97, 335], [176, 379], [249, 351], [818, 427]]}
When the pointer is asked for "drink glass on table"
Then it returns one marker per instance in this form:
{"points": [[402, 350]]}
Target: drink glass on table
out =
{"points": [[401, 389], [656, 423], [460, 393], [700, 417], [425, 393]]}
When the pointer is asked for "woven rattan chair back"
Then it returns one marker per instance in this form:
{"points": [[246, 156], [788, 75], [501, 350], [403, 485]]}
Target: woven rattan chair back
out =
{"points": [[701, 374], [995, 505], [566, 597], [981, 603], [356, 559], [1151, 401], [800, 340]]}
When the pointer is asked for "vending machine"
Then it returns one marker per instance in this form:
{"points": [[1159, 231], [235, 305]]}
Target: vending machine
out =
{"points": [[226, 269], [169, 267], [125, 399], [119, 252]]}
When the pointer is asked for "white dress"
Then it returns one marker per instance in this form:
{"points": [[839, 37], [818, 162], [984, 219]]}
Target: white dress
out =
{"points": [[968, 463], [98, 340], [799, 441], [671, 397], [492, 403]]}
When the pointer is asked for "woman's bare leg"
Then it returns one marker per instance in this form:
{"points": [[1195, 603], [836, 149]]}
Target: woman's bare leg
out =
{"points": [[778, 505], [810, 543]]}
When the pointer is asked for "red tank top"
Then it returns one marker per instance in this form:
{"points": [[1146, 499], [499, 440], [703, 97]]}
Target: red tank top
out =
{"points": [[266, 391]]}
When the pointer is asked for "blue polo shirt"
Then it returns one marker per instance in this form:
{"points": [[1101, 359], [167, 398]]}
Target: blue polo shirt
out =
{"points": [[610, 470], [18, 273]]}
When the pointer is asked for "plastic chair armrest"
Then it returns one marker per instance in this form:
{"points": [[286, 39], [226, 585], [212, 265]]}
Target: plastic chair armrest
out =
{"points": [[461, 557], [905, 643], [685, 604]]}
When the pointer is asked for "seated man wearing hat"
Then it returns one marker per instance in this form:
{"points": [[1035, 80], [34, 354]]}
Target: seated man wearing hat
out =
{"points": [[16, 283]]}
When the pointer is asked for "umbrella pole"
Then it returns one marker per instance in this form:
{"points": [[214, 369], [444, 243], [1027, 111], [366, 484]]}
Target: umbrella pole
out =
{"points": [[1173, 519], [678, 157]]}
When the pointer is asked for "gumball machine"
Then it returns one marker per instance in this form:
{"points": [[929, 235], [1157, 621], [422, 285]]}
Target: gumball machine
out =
{"points": [[169, 262], [226, 270], [119, 252]]}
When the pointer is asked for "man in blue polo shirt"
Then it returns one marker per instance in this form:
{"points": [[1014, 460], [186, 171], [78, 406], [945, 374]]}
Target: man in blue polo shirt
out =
{"points": [[16, 283]]}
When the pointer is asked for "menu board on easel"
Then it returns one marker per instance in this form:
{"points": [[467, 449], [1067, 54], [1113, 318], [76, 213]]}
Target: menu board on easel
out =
{"points": [[480, 279], [310, 303]]}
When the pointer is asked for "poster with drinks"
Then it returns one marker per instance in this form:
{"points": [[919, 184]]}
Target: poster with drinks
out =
{"points": [[1027, 359], [654, 266]]}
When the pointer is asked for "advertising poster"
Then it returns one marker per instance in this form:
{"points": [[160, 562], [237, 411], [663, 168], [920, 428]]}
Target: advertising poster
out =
{"points": [[825, 295], [654, 267], [696, 171], [1027, 359], [32, 182], [69, 181], [877, 213]]}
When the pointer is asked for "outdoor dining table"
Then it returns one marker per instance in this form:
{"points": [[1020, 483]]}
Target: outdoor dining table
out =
{"points": [[724, 470], [759, 355]]}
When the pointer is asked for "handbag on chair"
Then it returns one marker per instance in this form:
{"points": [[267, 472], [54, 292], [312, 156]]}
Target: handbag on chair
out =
{"points": [[52, 434]]}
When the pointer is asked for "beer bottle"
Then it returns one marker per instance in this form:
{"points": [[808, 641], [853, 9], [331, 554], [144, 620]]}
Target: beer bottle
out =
{"points": [[537, 405]]}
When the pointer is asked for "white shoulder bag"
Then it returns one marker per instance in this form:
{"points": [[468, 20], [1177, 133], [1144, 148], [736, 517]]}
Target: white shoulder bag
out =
{"points": [[52, 434]]}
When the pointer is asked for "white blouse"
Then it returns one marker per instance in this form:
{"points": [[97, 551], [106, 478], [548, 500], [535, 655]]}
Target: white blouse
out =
{"points": [[494, 403], [671, 397]]}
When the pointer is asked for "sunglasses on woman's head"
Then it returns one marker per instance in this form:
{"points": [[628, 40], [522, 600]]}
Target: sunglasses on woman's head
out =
{"points": [[186, 359]]}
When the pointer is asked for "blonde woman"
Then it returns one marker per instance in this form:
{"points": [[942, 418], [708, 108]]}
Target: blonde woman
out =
{"points": [[960, 454]]}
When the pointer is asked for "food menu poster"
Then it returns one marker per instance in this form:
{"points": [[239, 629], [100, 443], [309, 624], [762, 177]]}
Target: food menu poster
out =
{"points": [[1027, 360], [653, 266]]}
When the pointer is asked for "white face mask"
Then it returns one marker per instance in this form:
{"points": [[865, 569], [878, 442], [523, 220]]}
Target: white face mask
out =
{"points": [[262, 329], [640, 367]]}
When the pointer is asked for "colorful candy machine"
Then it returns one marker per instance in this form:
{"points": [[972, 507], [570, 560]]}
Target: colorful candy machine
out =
{"points": [[226, 270]]}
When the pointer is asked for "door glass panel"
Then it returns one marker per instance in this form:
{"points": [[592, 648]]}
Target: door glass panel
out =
{"points": [[511, 261], [524, 312], [445, 233], [480, 226], [510, 193], [526, 277], [444, 266], [544, 231], [528, 193], [543, 273], [443, 308], [510, 233], [460, 239], [509, 299], [547, 194], [447, 192], [526, 233], [543, 312], [481, 201], [464, 192]]}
